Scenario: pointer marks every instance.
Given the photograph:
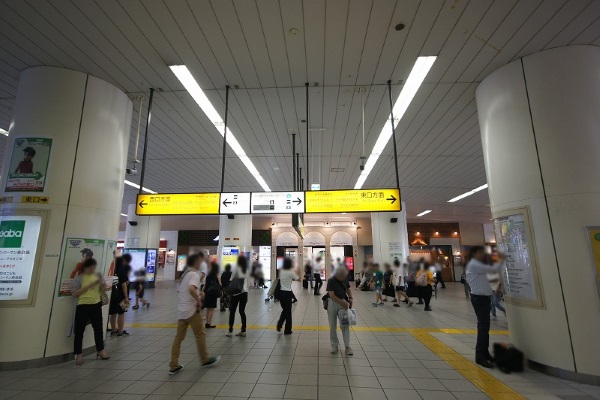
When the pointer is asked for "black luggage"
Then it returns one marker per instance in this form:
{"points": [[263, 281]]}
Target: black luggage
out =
{"points": [[508, 358], [305, 283]]}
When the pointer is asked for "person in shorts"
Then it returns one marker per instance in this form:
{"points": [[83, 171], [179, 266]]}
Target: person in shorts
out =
{"points": [[399, 273], [377, 283]]}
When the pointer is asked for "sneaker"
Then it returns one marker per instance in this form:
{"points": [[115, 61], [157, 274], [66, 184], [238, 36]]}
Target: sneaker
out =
{"points": [[374, 304], [229, 334], [124, 333], [428, 309], [279, 329], [349, 351], [175, 370], [135, 307], [241, 334], [381, 304], [211, 361], [288, 333], [396, 305], [334, 350]]}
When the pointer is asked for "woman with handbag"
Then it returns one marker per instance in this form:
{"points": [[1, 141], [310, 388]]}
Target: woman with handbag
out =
{"points": [[212, 292], [340, 298], [238, 290], [89, 290]]}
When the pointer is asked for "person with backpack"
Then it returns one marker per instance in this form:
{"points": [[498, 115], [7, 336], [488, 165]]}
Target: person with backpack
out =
{"points": [[339, 298], [425, 281], [238, 290]]}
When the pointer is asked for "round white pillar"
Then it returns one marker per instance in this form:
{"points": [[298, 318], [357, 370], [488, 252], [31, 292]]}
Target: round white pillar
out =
{"points": [[390, 239], [539, 119], [235, 232], [88, 121], [141, 232]]}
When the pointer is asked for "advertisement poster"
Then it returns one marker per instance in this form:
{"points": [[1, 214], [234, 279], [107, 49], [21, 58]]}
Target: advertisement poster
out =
{"points": [[28, 165], [77, 250], [514, 240], [229, 255], [181, 262], [109, 258], [18, 244], [594, 238], [395, 251], [151, 265]]}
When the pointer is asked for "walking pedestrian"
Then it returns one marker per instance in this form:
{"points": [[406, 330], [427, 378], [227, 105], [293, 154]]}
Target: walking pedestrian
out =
{"points": [[119, 300], [377, 283], [286, 296], [188, 315], [340, 298], [212, 290], [481, 293], [399, 275], [225, 279], [425, 282], [317, 269]]}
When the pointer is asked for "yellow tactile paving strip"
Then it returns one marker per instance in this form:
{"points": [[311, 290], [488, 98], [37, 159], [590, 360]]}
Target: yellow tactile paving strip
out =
{"points": [[488, 384]]}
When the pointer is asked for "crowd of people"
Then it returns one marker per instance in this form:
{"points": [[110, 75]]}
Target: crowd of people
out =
{"points": [[202, 287]]}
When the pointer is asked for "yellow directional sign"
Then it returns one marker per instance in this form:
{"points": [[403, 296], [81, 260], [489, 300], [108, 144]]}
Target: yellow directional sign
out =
{"points": [[177, 204], [364, 200]]}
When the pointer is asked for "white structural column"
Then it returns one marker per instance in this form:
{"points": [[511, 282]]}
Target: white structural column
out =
{"points": [[89, 121], [539, 119], [144, 233], [235, 232], [390, 239]]}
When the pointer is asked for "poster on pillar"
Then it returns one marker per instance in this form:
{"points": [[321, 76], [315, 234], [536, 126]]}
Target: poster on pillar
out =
{"points": [[521, 273], [28, 165], [109, 258], [77, 250], [395, 251]]}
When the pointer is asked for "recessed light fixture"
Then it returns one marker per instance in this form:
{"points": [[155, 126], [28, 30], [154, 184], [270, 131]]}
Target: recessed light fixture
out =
{"points": [[437, 233], [135, 185], [456, 233], [423, 213], [187, 80], [467, 194], [418, 233], [3, 132], [343, 213], [414, 81], [399, 27]]}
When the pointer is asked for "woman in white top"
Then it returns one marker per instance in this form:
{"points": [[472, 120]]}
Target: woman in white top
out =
{"points": [[286, 276], [240, 272], [400, 284]]}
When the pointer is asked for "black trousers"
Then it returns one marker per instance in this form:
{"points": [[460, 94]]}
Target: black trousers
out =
{"points": [[241, 300], [285, 299], [318, 282], [438, 277], [425, 293], [482, 306], [83, 314]]}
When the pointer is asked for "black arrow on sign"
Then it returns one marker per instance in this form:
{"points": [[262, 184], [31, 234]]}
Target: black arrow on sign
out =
{"points": [[392, 199], [142, 204], [44, 199], [225, 202], [297, 201]]}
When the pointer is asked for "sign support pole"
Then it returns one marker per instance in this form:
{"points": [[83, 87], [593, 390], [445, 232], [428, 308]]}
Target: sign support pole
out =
{"points": [[294, 161], [148, 117], [299, 171], [389, 82], [225, 138], [307, 141]]}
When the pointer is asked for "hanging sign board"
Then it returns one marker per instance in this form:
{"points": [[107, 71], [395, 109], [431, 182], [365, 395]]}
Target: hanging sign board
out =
{"points": [[178, 204], [325, 201], [364, 200], [277, 202], [235, 203]]}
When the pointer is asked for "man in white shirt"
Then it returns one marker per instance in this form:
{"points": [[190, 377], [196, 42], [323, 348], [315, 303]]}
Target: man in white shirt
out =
{"points": [[188, 314], [203, 270], [481, 295]]}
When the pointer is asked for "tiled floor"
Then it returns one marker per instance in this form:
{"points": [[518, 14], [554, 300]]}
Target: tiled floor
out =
{"points": [[399, 353]]}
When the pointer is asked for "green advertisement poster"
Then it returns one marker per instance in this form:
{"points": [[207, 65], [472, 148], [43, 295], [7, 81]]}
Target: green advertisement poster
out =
{"points": [[28, 165], [78, 250]]}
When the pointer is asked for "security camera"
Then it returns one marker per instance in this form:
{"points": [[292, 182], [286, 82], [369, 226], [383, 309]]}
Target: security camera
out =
{"points": [[362, 167], [132, 223], [130, 171]]}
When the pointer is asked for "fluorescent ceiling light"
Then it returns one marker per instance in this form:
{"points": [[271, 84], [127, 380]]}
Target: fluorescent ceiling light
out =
{"points": [[123, 215], [423, 213], [470, 192], [3, 132], [410, 88], [135, 185], [187, 80], [216, 239]]}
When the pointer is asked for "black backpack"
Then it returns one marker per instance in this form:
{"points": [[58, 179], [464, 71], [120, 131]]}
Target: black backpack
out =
{"points": [[508, 358]]}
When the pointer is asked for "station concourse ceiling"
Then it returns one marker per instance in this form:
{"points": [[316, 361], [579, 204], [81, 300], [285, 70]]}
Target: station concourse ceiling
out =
{"points": [[266, 50]]}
